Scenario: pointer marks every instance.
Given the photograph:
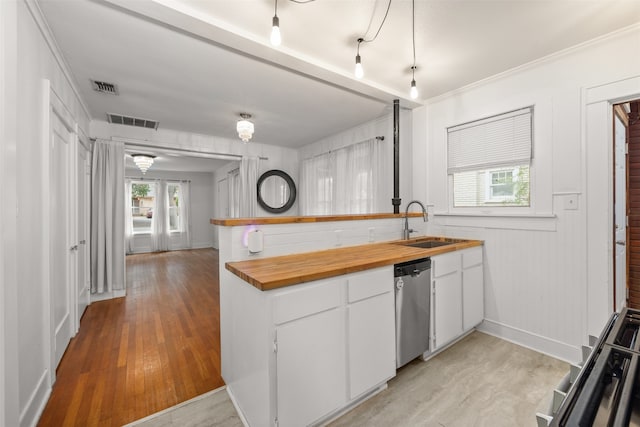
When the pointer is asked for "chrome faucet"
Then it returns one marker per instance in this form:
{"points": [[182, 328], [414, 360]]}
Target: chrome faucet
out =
{"points": [[407, 231]]}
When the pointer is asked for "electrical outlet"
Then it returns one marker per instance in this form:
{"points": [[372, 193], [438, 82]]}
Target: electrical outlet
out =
{"points": [[338, 234], [371, 234]]}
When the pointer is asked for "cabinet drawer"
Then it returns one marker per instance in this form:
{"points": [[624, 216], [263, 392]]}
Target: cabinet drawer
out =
{"points": [[370, 283], [445, 264], [299, 303], [471, 257]]}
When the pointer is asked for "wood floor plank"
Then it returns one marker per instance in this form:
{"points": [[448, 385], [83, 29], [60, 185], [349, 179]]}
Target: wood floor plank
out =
{"points": [[155, 348]]}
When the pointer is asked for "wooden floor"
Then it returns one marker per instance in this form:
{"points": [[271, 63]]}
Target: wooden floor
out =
{"points": [[134, 356]]}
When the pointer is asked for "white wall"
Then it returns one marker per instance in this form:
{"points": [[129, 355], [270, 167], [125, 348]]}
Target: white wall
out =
{"points": [[382, 126], [536, 288], [29, 374], [9, 379], [201, 206], [282, 158]]}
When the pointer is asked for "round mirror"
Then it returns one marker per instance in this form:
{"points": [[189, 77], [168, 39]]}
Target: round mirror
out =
{"points": [[276, 191]]}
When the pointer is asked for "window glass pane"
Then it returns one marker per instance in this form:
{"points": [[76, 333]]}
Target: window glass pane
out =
{"points": [[174, 206], [507, 186], [142, 204]]}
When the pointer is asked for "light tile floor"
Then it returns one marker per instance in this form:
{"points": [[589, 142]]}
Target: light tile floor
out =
{"points": [[480, 381]]}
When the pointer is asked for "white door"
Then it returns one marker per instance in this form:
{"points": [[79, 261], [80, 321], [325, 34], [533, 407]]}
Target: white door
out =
{"points": [[372, 342], [310, 368], [447, 309], [83, 179], [62, 251], [223, 199], [620, 213]]}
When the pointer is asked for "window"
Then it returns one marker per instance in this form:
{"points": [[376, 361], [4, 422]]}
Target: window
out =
{"points": [[174, 195], [489, 160], [142, 204]]}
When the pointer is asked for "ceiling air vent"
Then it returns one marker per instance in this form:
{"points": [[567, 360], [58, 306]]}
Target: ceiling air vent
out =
{"points": [[132, 121], [104, 87]]}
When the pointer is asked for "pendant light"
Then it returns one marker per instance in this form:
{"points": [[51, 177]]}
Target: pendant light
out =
{"points": [[413, 92], [244, 127], [359, 71], [143, 161], [276, 39]]}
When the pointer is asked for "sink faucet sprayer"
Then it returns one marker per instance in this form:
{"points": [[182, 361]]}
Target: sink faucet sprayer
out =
{"points": [[407, 231]]}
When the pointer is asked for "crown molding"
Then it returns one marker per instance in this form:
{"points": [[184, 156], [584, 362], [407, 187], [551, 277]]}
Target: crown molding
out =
{"points": [[34, 9]]}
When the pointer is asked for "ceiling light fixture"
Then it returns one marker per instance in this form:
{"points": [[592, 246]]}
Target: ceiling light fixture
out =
{"points": [[359, 71], [276, 39], [414, 90], [143, 161], [245, 127]]}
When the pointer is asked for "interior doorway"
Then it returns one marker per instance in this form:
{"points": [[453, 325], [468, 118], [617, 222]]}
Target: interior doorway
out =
{"points": [[626, 128]]}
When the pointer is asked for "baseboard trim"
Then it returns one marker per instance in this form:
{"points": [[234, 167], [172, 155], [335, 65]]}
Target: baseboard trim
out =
{"points": [[235, 405], [539, 343], [37, 401], [119, 293], [171, 409]]}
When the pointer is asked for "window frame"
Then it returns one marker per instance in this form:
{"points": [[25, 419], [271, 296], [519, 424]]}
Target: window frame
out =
{"points": [[146, 231], [494, 207], [180, 228]]}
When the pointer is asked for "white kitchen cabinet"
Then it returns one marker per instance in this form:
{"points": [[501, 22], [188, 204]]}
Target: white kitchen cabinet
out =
{"points": [[334, 341], [446, 299], [371, 331], [310, 368], [472, 288], [457, 300]]}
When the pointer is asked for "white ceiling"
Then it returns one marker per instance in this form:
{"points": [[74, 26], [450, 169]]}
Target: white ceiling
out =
{"points": [[195, 65]]}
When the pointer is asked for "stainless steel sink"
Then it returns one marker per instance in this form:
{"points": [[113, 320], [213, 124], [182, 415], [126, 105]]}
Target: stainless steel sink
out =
{"points": [[426, 244]]}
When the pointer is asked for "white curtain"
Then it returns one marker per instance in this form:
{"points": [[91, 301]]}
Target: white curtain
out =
{"points": [[249, 167], [185, 213], [160, 223], [233, 181], [107, 217], [128, 217], [317, 185], [350, 180]]}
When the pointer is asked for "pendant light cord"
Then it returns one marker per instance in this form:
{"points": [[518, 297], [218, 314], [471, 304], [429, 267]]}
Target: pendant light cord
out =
{"points": [[364, 40], [413, 31]]}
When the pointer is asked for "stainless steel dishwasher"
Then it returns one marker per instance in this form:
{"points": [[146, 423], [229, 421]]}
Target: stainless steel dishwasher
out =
{"points": [[412, 288]]}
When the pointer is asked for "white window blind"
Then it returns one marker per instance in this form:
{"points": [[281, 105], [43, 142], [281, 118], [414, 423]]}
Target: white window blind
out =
{"points": [[496, 141]]}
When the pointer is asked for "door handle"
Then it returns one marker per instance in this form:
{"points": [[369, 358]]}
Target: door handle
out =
{"points": [[621, 242], [83, 242], [74, 248]]}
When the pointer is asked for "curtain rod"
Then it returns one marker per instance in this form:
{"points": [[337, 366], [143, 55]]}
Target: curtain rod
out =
{"points": [[134, 178], [223, 156], [377, 138]]}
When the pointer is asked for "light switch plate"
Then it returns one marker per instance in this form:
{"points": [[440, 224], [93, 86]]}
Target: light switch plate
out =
{"points": [[371, 234], [338, 234]]}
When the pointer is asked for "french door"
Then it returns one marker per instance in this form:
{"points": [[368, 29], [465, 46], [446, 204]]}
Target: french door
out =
{"points": [[83, 179], [62, 246]]}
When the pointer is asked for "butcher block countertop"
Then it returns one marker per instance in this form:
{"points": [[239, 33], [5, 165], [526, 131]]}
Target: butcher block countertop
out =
{"points": [[277, 272], [231, 222]]}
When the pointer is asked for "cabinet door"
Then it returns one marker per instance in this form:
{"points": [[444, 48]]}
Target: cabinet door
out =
{"points": [[473, 296], [310, 368], [371, 333], [447, 308]]}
